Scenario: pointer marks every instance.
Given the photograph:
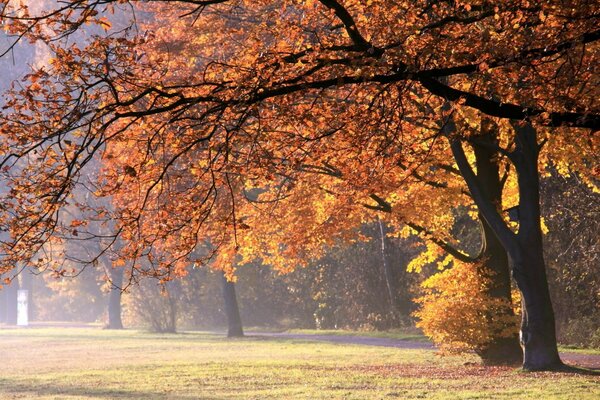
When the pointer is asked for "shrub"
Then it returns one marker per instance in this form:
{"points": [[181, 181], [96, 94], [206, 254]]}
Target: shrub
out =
{"points": [[457, 313]]}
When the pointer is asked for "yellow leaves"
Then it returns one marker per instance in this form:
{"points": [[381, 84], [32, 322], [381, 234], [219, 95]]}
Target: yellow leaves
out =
{"points": [[544, 227], [104, 23], [430, 255], [457, 313]]}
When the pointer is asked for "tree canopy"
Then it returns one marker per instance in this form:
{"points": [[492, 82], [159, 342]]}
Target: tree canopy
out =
{"points": [[269, 128]]}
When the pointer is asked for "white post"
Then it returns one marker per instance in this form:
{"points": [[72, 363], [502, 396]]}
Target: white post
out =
{"points": [[22, 308]]}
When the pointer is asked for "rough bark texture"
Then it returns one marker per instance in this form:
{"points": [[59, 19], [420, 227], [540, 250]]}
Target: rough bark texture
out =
{"points": [[538, 332], [525, 250], [234, 321], [114, 299], [502, 350]]}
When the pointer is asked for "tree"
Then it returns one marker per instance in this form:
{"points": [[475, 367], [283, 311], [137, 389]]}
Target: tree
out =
{"points": [[336, 88], [9, 293], [234, 321]]}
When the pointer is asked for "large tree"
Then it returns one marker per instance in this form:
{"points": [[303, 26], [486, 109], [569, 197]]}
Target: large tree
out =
{"points": [[219, 97]]}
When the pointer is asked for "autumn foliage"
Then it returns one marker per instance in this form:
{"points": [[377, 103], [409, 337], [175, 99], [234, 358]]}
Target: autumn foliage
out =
{"points": [[458, 314], [229, 131]]}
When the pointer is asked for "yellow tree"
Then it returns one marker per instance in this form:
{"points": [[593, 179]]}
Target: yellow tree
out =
{"points": [[374, 100]]}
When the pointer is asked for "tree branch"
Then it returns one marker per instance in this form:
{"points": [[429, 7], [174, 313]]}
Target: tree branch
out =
{"points": [[507, 110], [486, 208], [344, 16]]}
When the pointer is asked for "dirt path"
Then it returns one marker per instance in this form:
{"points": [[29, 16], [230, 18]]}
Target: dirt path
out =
{"points": [[578, 359]]}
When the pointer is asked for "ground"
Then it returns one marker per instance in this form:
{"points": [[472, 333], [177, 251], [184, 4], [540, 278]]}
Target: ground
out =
{"points": [[83, 363]]}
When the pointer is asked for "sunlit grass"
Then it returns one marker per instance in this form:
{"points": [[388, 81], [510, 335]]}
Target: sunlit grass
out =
{"points": [[400, 334], [96, 364]]}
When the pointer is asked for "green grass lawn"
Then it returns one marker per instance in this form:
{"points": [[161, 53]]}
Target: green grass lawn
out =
{"points": [[389, 334], [63, 363]]}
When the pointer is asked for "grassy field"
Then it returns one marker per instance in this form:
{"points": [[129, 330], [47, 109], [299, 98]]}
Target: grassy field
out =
{"points": [[61, 363], [389, 334]]}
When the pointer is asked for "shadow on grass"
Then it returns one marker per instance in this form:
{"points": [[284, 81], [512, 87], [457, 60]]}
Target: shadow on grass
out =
{"points": [[571, 369], [31, 390], [101, 335], [565, 369]]}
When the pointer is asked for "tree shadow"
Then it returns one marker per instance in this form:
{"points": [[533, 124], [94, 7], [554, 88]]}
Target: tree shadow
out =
{"points": [[567, 369], [34, 389]]}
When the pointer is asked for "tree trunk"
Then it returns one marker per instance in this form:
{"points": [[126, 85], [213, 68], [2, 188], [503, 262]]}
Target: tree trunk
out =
{"points": [[538, 331], [11, 301], [2, 301], [525, 250], [502, 349], [234, 321], [388, 273], [114, 298]]}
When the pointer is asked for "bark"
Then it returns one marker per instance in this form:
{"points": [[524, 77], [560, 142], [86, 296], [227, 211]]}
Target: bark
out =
{"points": [[234, 321], [502, 350], [114, 299], [538, 331], [524, 249]]}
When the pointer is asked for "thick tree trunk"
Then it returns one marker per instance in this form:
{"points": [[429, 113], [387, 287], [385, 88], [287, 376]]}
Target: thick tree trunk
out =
{"points": [[234, 321], [114, 299], [538, 331], [525, 250], [502, 349]]}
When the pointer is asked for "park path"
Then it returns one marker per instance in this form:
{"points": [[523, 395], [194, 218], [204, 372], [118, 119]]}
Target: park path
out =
{"points": [[578, 359]]}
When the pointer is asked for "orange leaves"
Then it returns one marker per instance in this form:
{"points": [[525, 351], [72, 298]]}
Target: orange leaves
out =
{"points": [[458, 314]]}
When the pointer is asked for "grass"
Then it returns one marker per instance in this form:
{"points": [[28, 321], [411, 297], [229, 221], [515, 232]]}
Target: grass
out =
{"points": [[389, 334], [580, 350], [68, 363]]}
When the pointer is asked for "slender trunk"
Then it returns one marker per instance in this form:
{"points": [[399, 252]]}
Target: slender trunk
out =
{"points": [[11, 301], [234, 321], [172, 294], [501, 349], [388, 273], [2, 301], [114, 299]]}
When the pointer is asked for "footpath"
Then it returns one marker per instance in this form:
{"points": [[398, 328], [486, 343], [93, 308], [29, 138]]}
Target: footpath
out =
{"points": [[582, 360]]}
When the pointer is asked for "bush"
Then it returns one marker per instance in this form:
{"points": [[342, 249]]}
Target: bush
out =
{"points": [[152, 305], [458, 315]]}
